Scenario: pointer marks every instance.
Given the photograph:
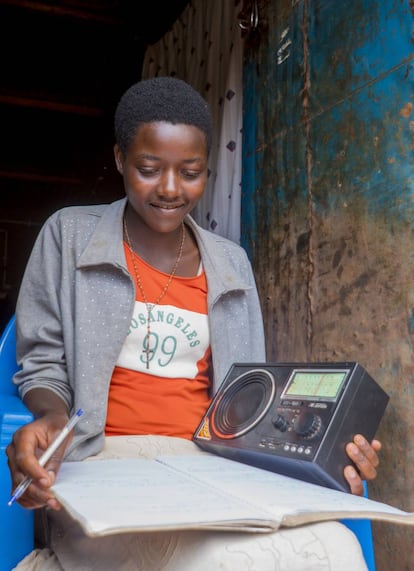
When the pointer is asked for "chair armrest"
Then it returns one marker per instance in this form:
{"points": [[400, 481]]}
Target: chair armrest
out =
{"points": [[362, 528], [13, 415], [16, 523]]}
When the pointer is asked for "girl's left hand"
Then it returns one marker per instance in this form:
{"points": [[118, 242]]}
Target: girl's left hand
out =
{"points": [[365, 457]]}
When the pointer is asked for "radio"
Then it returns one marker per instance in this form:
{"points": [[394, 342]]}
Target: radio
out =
{"points": [[293, 418]]}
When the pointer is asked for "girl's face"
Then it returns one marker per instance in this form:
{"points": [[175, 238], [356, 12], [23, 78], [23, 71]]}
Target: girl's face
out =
{"points": [[164, 172]]}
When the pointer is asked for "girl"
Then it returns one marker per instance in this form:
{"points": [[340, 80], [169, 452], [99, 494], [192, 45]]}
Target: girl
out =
{"points": [[133, 312]]}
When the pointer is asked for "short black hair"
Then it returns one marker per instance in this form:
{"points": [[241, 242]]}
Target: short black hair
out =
{"points": [[160, 99]]}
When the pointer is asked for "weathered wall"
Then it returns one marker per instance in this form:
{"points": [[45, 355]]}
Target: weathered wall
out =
{"points": [[328, 206]]}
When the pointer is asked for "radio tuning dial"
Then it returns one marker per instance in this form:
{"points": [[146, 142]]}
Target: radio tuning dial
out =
{"points": [[307, 424], [280, 423]]}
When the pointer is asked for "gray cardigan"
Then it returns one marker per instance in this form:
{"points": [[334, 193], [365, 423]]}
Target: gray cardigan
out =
{"points": [[76, 301]]}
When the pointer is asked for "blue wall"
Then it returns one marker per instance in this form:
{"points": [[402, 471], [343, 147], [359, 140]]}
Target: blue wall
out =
{"points": [[327, 210]]}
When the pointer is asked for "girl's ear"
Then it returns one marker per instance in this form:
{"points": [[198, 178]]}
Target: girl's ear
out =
{"points": [[119, 159]]}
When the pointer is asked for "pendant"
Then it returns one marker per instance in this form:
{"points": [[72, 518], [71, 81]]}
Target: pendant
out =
{"points": [[147, 339], [147, 349]]}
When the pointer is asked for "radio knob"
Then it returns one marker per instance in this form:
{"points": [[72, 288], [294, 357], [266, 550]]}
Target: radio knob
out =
{"points": [[280, 423], [307, 424]]}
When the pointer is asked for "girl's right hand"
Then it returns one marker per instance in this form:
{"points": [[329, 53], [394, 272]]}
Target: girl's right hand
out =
{"points": [[27, 445]]}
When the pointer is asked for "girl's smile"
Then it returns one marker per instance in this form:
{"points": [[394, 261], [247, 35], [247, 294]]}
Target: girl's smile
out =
{"points": [[165, 173]]}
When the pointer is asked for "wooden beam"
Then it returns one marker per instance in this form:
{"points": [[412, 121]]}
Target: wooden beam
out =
{"points": [[38, 102], [65, 11], [39, 177]]}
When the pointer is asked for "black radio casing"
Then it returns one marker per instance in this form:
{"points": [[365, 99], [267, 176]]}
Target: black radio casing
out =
{"points": [[253, 419]]}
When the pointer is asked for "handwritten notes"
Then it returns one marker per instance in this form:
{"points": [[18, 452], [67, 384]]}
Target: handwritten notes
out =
{"points": [[200, 491]]}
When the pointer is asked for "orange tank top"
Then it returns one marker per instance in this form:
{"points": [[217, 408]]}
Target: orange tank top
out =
{"points": [[170, 397]]}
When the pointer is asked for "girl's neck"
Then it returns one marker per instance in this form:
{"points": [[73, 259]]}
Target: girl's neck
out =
{"points": [[160, 249]]}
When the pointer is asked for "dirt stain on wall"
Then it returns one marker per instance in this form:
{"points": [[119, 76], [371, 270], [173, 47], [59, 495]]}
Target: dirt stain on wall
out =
{"points": [[333, 240]]}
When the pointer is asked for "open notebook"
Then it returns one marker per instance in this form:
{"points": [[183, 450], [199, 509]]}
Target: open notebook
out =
{"points": [[201, 492]]}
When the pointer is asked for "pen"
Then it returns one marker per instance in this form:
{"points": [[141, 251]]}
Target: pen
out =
{"points": [[47, 454]]}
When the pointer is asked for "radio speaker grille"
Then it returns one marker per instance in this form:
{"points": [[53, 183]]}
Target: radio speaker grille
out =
{"points": [[243, 403]]}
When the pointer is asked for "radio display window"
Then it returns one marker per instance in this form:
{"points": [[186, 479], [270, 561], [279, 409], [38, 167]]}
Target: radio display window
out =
{"points": [[315, 384]]}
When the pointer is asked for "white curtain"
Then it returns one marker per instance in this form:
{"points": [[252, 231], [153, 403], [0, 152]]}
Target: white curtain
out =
{"points": [[204, 48]]}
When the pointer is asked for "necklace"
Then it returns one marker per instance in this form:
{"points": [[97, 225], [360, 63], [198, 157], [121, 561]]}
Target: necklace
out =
{"points": [[150, 306]]}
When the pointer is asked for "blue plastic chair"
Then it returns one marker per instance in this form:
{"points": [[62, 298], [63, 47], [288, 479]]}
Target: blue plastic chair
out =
{"points": [[362, 528], [16, 523]]}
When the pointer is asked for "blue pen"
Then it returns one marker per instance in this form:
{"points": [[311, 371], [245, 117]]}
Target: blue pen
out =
{"points": [[47, 454]]}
